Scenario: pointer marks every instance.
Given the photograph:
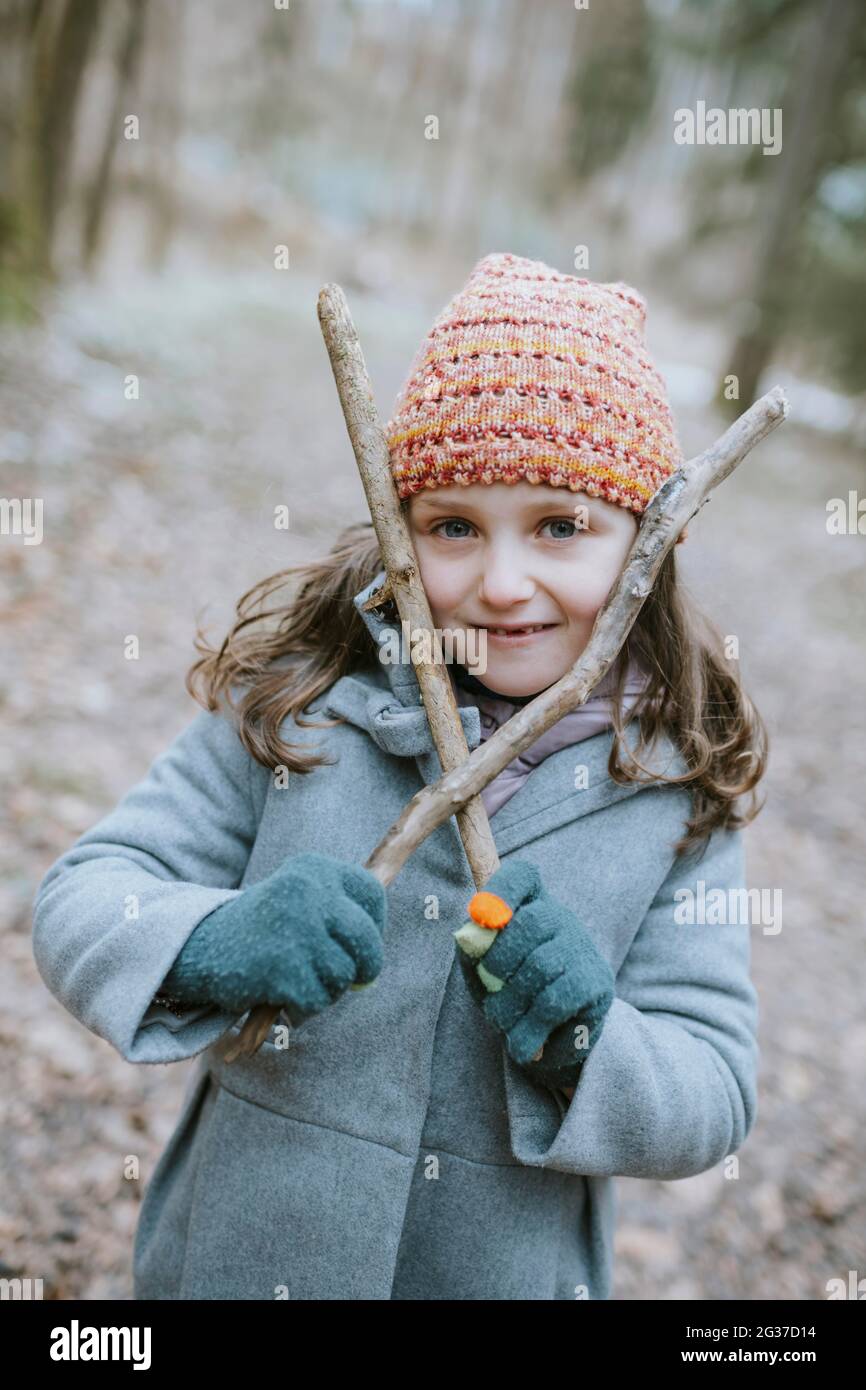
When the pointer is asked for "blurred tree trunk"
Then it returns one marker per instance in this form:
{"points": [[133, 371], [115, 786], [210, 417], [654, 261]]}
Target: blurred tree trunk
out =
{"points": [[821, 60], [18, 20], [464, 127], [60, 42], [612, 86], [128, 57], [166, 94]]}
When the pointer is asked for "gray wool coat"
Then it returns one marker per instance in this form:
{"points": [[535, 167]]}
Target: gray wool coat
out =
{"points": [[393, 1150]]}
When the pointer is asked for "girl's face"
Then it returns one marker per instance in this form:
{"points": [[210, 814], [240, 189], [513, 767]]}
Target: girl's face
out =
{"points": [[505, 556]]}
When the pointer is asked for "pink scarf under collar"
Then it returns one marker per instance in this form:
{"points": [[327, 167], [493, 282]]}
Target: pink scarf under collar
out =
{"points": [[593, 716]]}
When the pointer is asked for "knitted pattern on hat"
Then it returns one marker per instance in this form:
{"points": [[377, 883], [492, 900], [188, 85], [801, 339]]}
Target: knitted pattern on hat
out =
{"points": [[528, 374]]}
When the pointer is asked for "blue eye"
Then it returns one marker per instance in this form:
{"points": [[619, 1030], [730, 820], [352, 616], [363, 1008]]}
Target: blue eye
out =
{"points": [[562, 521], [468, 529], [451, 521]]}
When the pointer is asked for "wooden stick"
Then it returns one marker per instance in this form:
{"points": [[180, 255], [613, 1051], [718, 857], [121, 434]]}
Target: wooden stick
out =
{"points": [[403, 585], [401, 565], [673, 506]]}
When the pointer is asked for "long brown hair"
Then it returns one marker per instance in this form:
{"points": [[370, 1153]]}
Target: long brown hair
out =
{"points": [[287, 655]]}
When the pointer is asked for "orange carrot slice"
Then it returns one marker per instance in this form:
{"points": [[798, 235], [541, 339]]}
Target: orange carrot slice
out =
{"points": [[489, 910]]}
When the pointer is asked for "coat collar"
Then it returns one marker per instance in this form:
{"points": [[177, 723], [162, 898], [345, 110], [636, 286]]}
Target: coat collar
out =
{"points": [[386, 703]]}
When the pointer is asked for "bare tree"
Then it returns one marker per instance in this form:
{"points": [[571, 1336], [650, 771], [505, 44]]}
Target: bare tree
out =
{"points": [[58, 46], [822, 60], [126, 67]]}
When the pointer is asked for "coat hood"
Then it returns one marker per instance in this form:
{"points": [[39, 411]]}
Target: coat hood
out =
{"points": [[391, 708]]}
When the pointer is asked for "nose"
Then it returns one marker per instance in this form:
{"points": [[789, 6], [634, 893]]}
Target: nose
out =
{"points": [[504, 579]]}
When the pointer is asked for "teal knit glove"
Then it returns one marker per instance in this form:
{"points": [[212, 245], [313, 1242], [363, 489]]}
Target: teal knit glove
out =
{"points": [[558, 987], [296, 939]]}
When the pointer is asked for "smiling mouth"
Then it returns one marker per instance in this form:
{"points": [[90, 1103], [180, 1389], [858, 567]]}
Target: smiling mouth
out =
{"points": [[525, 631]]}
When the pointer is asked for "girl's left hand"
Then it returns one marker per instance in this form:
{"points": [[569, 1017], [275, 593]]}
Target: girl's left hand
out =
{"points": [[558, 987]]}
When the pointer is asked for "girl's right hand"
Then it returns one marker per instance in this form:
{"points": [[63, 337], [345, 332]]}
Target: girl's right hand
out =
{"points": [[295, 940]]}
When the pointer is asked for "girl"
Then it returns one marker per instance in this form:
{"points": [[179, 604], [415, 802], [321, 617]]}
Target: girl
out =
{"points": [[407, 1141]]}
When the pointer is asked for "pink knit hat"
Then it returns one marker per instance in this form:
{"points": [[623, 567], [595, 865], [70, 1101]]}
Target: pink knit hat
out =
{"points": [[531, 375]]}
